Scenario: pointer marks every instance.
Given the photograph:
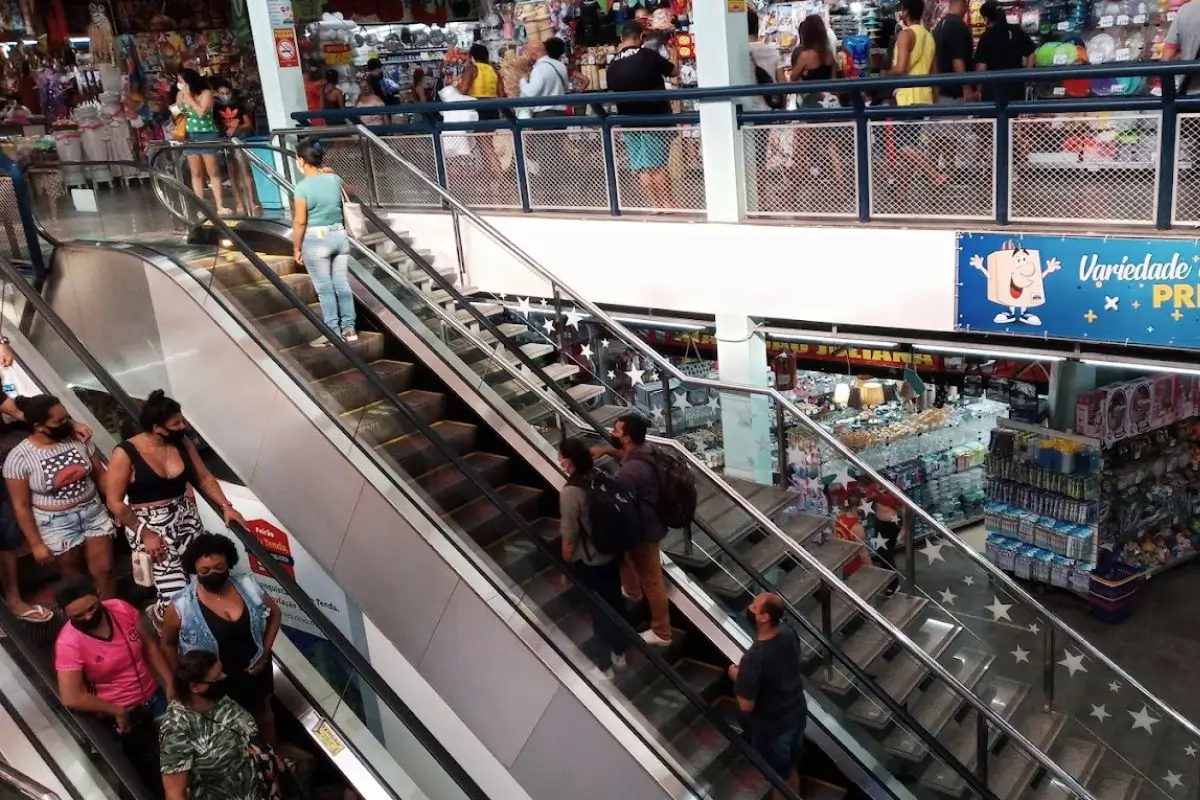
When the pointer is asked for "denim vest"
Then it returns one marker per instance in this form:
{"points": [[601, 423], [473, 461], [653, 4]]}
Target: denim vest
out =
{"points": [[194, 633]]}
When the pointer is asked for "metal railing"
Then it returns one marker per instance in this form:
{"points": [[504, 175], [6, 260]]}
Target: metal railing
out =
{"points": [[22, 785], [993, 161]]}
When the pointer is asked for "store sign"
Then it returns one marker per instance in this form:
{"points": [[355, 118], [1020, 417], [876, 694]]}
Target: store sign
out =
{"points": [[1131, 291], [279, 13], [337, 54], [287, 52], [294, 559]]}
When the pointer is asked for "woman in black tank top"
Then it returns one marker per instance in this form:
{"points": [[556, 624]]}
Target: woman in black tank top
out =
{"points": [[156, 508], [814, 60]]}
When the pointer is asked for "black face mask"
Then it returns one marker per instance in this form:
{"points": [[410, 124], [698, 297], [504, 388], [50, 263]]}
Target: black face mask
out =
{"points": [[90, 623], [216, 690], [752, 618], [60, 432], [214, 581], [175, 437]]}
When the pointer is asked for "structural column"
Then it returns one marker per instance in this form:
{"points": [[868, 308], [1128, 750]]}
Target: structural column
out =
{"points": [[745, 420], [274, 29], [722, 59]]}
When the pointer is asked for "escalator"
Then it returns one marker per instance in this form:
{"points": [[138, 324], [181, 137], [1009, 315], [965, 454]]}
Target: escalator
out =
{"points": [[1074, 704], [425, 423], [343, 727]]}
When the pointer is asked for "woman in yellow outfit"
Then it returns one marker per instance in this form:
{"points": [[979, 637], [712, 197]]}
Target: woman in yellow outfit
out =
{"points": [[481, 81], [915, 56]]}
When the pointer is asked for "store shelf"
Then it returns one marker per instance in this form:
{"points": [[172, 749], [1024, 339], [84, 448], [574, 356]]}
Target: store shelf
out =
{"points": [[1028, 427], [1150, 573]]}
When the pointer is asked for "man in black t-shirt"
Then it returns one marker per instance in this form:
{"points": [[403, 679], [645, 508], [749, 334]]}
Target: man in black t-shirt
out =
{"points": [[640, 69], [770, 689], [1002, 46], [954, 45]]}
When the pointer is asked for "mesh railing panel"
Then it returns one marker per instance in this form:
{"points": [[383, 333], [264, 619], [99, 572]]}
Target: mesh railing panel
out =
{"points": [[395, 186], [933, 169], [1084, 167], [346, 157], [659, 169], [564, 170], [1185, 208], [801, 170], [481, 168], [14, 243]]}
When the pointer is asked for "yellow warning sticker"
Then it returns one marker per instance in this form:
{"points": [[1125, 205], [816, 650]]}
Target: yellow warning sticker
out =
{"points": [[329, 740]]}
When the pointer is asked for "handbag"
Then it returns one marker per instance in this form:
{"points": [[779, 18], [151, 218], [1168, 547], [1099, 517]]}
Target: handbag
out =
{"points": [[274, 775], [353, 216], [180, 131]]}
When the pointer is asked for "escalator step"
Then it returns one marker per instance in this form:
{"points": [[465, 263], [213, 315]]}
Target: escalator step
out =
{"points": [[1118, 786], [1079, 759], [583, 392], [321, 362], [289, 328], [485, 523], [263, 298], [870, 641], [905, 672], [517, 556], [703, 748], [469, 352], [551, 592], [934, 709], [800, 582], [351, 389], [760, 558], [448, 487], [667, 709], [240, 271], [414, 454], [639, 670], [1012, 770], [381, 422]]}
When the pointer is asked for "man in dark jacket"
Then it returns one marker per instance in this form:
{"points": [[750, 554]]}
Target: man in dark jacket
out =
{"points": [[641, 571]]}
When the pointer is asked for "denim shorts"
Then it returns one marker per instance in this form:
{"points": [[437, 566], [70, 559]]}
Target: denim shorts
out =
{"points": [[65, 530], [783, 751], [208, 136]]}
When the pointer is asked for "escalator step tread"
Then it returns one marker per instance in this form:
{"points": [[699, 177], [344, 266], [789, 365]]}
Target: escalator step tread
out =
{"points": [[485, 522], [759, 557], [584, 392], [449, 487], [666, 708], [321, 362], [871, 641], [351, 389], [263, 299], [239, 271], [934, 709], [832, 553], [517, 556], [1079, 759], [1118, 786], [442, 297], [415, 454], [290, 328], [904, 673], [702, 746], [1011, 772]]}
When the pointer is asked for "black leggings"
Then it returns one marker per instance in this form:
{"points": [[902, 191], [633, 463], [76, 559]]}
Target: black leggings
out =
{"points": [[605, 580]]}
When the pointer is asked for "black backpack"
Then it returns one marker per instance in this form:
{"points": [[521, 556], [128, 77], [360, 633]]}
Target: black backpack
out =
{"points": [[774, 101], [612, 513], [676, 488]]}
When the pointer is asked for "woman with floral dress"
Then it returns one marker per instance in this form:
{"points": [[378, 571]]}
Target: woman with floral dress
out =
{"points": [[204, 738]]}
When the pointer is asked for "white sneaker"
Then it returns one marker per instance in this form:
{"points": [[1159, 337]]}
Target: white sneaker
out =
{"points": [[322, 342], [350, 335], [618, 661], [650, 637]]}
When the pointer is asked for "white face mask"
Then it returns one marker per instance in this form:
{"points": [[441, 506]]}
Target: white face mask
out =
{"points": [[182, 86]]}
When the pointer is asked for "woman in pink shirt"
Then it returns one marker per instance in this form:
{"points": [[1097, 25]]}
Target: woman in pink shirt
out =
{"points": [[109, 664]]}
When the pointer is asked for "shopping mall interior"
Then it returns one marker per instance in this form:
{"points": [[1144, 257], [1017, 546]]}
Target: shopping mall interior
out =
{"points": [[903, 292]]}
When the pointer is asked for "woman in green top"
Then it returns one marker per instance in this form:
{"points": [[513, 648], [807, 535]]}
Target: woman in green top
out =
{"points": [[196, 104], [321, 243], [204, 736]]}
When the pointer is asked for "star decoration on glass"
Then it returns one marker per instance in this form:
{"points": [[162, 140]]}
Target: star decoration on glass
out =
{"points": [[544, 302], [933, 551], [586, 352], [1021, 655], [1191, 750], [651, 377], [877, 542], [999, 610], [1100, 713], [795, 455], [1114, 686], [948, 597], [681, 400], [1072, 663], [745, 419], [714, 402], [865, 506], [657, 414], [548, 325], [1034, 628], [612, 376], [604, 344], [1143, 719], [523, 306], [969, 580], [1174, 780], [635, 375], [574, 317]]}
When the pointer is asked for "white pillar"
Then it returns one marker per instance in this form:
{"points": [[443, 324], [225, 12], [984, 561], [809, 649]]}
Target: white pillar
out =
{"points": [[275, 46], [722, 59], [745, 421]]}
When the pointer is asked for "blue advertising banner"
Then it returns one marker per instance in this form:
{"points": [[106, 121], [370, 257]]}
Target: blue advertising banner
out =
{"points": [[1132, 291]]}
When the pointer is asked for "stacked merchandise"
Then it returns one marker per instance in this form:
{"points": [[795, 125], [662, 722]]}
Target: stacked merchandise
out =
{"points": [[1044, 508]]}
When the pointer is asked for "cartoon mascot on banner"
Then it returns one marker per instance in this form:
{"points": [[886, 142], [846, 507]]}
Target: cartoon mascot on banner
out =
{"points": [[1016, 281]]}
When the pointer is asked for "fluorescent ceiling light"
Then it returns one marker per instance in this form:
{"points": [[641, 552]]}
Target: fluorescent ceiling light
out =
{"points": [[650, 322], [971, 351], [1143, 366], [804, 337]]}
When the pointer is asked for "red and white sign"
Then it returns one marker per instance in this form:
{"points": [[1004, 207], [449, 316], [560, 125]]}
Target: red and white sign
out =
{"points": [[337, 54], [287, 53]]}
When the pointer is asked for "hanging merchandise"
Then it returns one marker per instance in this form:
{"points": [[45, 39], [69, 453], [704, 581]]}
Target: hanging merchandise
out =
{"points": [[100, 36]]}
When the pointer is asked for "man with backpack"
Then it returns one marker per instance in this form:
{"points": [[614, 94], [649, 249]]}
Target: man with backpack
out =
{"points": [[594, 524], [660, 489]]}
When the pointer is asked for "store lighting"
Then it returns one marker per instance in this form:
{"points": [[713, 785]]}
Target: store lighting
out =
{"points": [[971, 351], [805, 337], [841, 394], [646, 322], [80, 40], [872, 393], [1142, 366]]}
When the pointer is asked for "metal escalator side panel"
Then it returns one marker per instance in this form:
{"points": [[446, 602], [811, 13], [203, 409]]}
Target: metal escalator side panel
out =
{"points": [[392, 561]]}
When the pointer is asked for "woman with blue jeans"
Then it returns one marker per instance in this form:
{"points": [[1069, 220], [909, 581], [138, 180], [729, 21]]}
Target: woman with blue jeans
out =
{"points": [[322, 244]]}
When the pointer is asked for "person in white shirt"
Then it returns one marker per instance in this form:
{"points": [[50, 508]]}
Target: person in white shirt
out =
{"points": [[548, 77], [457, 148], [765, 56]]}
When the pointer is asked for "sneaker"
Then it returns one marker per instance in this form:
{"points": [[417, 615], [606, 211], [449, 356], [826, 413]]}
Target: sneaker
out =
{"points": [[350, 335], [618, 661], [650, 637], [609, 674], [322, 342]]}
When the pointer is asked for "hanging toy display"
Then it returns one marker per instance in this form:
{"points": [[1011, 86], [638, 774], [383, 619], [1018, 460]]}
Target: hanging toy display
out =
{"points": [[101, 34]]}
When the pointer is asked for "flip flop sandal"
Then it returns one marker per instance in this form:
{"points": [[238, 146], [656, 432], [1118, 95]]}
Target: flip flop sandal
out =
{"points": [[38, 614]]}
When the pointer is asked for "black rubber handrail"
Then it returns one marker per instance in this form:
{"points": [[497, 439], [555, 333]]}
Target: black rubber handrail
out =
{"points": [[348, 651], [229, 234]]}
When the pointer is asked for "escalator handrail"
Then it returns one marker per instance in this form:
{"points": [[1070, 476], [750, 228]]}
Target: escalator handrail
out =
{"points": [[581, 419], [24, 785], [666, 367], [305, 604], [227, 233], [86, 729]]}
